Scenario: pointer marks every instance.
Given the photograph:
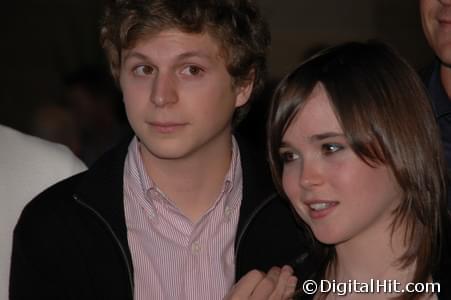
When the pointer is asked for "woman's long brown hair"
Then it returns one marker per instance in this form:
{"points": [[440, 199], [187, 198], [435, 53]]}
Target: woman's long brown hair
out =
{"points": [[383, 109]]}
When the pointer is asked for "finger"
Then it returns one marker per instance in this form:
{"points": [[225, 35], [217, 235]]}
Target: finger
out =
{"points": [[267, 285], [290, 288], [244, 288], [283, 284]]}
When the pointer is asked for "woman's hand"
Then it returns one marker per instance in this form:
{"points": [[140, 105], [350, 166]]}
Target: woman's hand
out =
{"points": [[278, 284]]}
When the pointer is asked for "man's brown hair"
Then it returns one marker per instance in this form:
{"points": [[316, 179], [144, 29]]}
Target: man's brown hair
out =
{"points": [[236, 24]]}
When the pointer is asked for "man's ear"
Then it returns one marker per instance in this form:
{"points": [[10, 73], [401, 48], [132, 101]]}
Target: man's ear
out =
{"points": [[244, 89]]}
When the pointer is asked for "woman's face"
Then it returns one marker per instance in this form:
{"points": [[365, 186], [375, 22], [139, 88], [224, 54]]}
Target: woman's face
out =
{"points": [[338, 195]]}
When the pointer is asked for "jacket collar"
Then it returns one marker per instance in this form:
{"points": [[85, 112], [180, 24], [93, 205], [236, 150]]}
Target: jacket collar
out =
{"points": [[257, 182], [102, 187]]}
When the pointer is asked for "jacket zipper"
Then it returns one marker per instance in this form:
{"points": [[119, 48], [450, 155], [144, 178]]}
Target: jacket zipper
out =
{"points": [[121, 247], [124, 256]]}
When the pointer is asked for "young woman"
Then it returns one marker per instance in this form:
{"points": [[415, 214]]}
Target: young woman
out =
{"points": [[354, 147]]}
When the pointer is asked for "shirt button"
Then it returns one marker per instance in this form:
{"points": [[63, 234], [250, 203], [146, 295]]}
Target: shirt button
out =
{"points": [[227, 210], [195, 248], [227, 213]]}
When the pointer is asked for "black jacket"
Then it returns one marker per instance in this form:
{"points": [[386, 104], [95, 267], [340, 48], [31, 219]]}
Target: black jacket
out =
{"points": [[71, 240]]}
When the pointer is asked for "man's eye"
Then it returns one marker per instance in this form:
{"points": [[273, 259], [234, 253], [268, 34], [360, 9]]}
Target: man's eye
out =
{"points": [[192, 70], [331, 148], [143, 70], [288, 156]]}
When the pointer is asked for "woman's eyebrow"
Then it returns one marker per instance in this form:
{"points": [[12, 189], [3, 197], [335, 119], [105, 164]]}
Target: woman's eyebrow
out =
{"points": [[326, 135]]}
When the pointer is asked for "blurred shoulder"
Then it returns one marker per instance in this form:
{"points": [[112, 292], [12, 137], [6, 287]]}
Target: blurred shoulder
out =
{"points": [[29, 165], [22, 150]]}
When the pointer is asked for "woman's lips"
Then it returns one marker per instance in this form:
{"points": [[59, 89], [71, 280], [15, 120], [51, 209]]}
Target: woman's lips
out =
{"points": [[320, 209]]}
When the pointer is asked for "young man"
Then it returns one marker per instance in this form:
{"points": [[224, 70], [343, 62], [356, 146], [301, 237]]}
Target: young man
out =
{"points": [[184, 209], [436, 20]]}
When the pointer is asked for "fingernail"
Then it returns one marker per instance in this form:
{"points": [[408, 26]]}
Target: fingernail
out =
{"points": [[292, 281], [288, 269]]}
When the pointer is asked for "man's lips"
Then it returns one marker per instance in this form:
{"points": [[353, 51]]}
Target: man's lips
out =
{"points": [[444, 18], [444, 21], [166, 127]]}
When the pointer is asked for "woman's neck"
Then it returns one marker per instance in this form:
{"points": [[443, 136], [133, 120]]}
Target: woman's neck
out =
{"points": [[372, 256]]}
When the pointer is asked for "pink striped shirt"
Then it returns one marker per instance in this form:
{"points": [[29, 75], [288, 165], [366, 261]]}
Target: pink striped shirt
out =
{"points": [[173, 258]]}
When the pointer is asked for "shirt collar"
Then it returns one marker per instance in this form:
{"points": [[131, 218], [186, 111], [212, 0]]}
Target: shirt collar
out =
{"points": [[137, 165], [232, 181], [234, 178]]}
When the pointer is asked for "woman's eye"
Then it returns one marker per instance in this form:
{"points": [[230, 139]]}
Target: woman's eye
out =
{"points": [[288, 156], [192, 70], [143, 70], [331, 148]]}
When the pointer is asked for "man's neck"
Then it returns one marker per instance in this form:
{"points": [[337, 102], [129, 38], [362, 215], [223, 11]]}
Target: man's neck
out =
{"points": [[194, 182], [445, 75]]}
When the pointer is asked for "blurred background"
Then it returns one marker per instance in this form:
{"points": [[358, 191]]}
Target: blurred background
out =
{"points": [[54, 82]]}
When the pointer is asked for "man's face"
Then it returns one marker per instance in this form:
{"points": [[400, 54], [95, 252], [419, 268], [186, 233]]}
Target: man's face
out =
{"points": [[179, 96], [436, 19]]}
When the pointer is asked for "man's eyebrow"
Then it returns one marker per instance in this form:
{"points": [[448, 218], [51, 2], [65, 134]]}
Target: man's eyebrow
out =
{"points": [[181, 56], [134, 54], [196, 53]]}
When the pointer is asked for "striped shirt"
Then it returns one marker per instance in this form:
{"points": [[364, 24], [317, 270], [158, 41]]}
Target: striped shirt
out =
{"points": [[174, 258]]}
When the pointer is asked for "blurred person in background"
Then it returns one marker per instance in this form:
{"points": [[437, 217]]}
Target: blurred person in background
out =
{"points": [[92, 97], [57, 124], [28, 165], [436, 20]]}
